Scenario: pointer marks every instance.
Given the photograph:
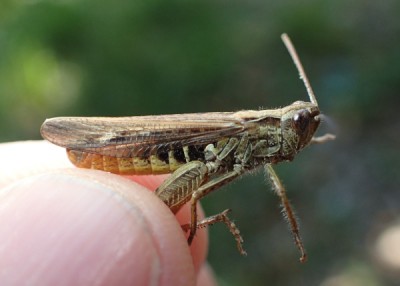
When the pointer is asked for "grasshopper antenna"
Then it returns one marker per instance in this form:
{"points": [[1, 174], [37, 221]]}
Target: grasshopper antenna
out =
{"points": [[292, 51]]}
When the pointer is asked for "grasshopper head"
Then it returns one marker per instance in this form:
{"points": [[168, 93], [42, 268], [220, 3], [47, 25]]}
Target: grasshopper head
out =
{"points": [[299, 122]]}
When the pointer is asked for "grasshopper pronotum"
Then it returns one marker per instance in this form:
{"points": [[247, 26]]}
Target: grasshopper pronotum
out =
{"points": [[203, 151]]}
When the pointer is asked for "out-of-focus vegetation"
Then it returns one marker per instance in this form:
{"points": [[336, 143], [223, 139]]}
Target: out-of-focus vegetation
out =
{"points": [[97, 57]]}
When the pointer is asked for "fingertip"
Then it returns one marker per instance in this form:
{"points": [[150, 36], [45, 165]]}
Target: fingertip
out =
{"points": [[59, 224], [199, 246], [206, 276], [64, 220]]}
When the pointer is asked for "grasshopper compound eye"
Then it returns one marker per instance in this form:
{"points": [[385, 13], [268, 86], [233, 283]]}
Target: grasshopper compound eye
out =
{"points": [[302, 119]]}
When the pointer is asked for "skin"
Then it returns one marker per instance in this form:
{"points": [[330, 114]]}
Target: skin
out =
{"points": [[66, 226]]}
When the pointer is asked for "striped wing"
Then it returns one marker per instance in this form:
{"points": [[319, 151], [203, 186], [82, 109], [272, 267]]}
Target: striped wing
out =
{"points": [[127, 137]]}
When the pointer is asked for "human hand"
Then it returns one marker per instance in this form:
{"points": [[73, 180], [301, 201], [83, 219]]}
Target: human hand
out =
{"points": [[61, 225]]}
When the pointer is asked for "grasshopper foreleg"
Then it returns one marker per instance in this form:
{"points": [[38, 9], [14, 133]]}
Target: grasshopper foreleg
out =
{"points": [[288, 210], [322, 139]]}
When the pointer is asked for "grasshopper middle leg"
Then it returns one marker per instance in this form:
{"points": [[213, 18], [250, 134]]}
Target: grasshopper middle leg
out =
{"points": [[196, 179], [221, 217], [191, 183]]}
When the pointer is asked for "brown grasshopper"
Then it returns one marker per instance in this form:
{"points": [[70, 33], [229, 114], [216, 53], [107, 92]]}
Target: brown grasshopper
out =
{"points": [[203, 151]]}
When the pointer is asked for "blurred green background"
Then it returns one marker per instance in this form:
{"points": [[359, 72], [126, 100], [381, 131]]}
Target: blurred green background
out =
{"points": [[116, 58]]}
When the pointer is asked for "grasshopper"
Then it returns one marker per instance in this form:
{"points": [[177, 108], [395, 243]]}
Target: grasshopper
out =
{"points": [[203, 151]]}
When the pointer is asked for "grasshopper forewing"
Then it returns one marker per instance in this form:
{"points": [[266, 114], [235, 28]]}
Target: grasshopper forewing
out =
{"points": [[203, 151]]}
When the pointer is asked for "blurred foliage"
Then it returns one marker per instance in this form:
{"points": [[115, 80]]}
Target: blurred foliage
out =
{"points": [[152, 57]]}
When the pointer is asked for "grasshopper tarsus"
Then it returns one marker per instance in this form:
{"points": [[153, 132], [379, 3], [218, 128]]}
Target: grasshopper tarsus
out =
{"points": [[303, 258]]}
